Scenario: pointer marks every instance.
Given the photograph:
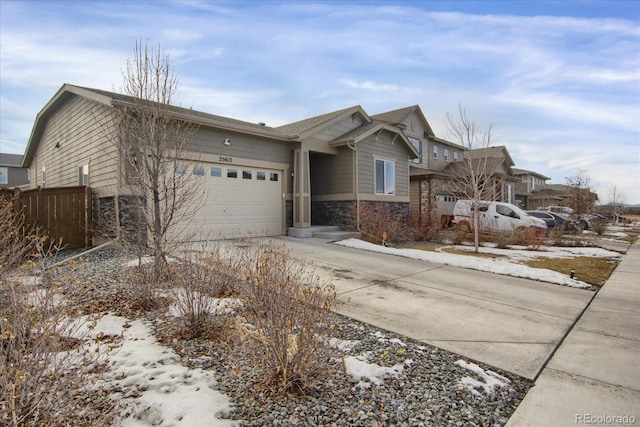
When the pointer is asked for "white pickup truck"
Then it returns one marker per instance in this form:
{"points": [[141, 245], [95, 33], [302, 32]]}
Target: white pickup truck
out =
{"points": [[495, 216]]}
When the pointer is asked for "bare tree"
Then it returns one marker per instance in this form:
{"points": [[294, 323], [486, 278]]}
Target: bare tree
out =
{"points": [[153, 141], [474, 175], [616, 201], [580, 198]]}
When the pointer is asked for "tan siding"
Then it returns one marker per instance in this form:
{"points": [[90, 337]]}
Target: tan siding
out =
{"points": [[382, 148], [74, 127], [211, 141], [332, 174], [414, 199]]}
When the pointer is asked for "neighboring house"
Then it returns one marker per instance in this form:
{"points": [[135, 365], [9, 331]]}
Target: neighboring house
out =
{"points": [[430, 182], [496, 162], [531, 189], [12, 174], [259, 180]]}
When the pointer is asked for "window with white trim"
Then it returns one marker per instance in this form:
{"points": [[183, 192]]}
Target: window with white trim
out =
{"points": [[4, 175], [435, 151], [446, 154], [198, 171], [385, 177], [417, 144], [216, 172], [455, 156], [83, 175]]}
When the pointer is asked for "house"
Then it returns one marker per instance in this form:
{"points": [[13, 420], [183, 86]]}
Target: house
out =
{"points": [[258, 180], [12, 174], [430, 182], [433, 173], [531, 189]]}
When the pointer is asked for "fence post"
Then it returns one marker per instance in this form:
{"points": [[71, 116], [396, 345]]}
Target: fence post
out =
{"points": [[88, 216]]}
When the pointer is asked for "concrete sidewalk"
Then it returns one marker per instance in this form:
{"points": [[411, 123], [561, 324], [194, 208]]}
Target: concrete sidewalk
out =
{"points": [[594, 376]]}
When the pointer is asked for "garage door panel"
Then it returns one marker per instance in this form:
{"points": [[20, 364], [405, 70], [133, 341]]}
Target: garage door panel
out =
{"points": [[237, 207]]}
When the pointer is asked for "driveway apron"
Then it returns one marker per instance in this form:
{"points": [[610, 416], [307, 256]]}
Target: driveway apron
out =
{"points": [[510, 323]]}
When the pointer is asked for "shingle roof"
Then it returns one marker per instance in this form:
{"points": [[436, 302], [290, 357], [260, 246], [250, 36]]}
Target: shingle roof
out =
{"points": [[195, 114], [517, 171], [10, 160], [395, 116], [302, 126]]}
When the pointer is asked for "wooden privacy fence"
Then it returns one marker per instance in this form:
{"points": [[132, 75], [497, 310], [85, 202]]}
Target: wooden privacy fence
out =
{"points": [[62, 213]]}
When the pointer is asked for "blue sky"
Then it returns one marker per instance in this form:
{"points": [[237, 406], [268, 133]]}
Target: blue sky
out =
{"points": [[559, 81]]}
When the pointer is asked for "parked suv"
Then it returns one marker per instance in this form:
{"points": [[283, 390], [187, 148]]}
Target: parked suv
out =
{"points": [[495, 216]]}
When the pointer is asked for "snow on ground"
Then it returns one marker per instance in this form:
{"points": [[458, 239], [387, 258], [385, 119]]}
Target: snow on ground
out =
{"points": [[370, 373], [489, 381], [508, 267], [156, 389]]}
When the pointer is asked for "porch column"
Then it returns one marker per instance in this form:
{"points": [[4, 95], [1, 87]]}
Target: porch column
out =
{"points": [[301, 190]]}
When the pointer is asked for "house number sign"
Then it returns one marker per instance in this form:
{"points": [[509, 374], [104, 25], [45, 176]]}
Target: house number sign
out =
{"points": [[225, 159]]}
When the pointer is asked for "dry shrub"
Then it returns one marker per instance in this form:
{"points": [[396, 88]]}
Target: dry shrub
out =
{"points": [[505, 238], [47, 376], [200, 278], [427, 228], [380, 226], [285, 321], [598, 226], [531, 237]]}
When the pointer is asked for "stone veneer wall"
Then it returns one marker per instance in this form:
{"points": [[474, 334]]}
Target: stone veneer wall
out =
{"points": [[343, 213], [289, 213], [429, 187], [129, 224]]}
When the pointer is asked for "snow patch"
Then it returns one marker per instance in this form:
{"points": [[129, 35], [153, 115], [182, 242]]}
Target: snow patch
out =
{"points": [[489, 382]]}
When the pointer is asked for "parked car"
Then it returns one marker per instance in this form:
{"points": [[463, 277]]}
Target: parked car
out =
{"points": [[495, 216], [555, 221]]}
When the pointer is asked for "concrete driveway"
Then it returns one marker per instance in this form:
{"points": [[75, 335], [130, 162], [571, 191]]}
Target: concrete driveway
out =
{"points": [[510, 323]]}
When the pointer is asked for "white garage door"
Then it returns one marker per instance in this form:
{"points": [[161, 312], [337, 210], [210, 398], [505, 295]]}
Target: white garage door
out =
{"points": [[238, 202]]}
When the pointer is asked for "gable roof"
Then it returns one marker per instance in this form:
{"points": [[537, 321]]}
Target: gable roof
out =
{"points": [[11, 160], [395, 117], [306, 127], [526, 172], [113, 99], [490, 152], [361, 132]]}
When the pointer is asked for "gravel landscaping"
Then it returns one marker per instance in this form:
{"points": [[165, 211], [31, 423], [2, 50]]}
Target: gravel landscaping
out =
{"points": [[377, 377]]}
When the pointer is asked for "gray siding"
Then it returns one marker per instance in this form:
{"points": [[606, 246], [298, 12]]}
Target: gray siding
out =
{"points": [[211, 141], [77, 128], [332, 174], [380, 146]]}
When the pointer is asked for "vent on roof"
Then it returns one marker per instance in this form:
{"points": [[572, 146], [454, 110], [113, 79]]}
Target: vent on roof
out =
{"points": [[262, 124]]}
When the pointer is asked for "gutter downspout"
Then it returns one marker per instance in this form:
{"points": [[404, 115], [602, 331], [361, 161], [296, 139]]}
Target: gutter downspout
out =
{"points": [[352, 145]]}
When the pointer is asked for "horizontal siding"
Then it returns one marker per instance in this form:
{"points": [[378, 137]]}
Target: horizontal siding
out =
{"points": [[414, 199], [76, 127], [332, 174], [211, 141], [340, 128], [380, 146]]}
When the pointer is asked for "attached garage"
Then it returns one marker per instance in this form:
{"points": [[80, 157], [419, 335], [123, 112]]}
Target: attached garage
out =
{"points": [[238, 201]]}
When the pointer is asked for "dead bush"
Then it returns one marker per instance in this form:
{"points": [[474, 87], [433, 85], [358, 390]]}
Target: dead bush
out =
{"points": [[200, 278], [504, 238], [598, 226], [48, 375], [285, 319], [380, 226], [531, 237], [427, 228]]}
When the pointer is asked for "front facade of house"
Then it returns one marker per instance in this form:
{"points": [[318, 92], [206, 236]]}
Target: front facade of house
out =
{"points": [[256, 180]]}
